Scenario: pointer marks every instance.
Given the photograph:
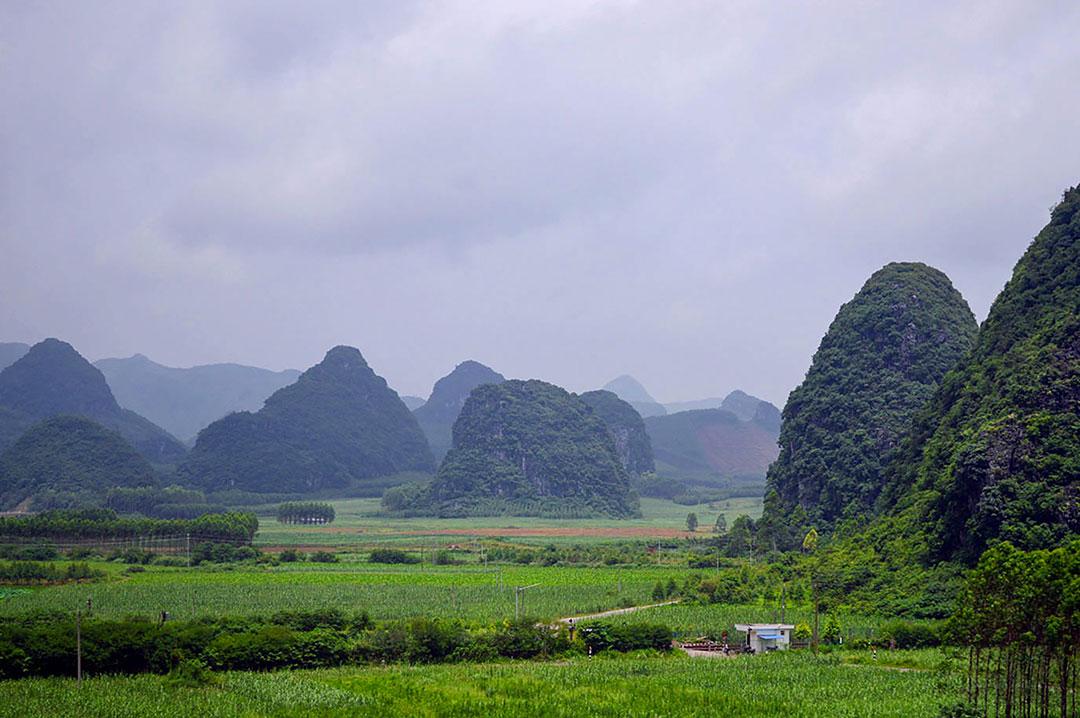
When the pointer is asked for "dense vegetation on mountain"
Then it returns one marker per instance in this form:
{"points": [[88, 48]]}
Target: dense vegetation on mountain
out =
{"points": [[184, 401], [11, 352], [712, 446], [996, 454], [626, 428], [336, 428], [52, 379], [440, 411], [630, 390], [879, 363], [529, 448], [69, 456]]}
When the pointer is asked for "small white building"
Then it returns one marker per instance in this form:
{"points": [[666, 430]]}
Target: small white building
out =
{"points": [[761, 637]]}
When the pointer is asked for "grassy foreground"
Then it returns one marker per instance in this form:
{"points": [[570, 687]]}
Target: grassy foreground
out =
{"points": [[794, 685]]}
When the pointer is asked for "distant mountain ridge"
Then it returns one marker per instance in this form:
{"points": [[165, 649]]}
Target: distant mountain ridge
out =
{"points": [[738, 402], [712, 446], [184, 401], [448, 396], [631, 391], [338, 426], [53, 379]]}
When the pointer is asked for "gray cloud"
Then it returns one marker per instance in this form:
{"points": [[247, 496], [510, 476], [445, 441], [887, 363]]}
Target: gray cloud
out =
{"points": [[565, 190]]}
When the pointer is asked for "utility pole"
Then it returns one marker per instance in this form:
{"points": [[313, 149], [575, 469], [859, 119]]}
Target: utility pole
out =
{"points": [[78, 647], [187, 545], [783, 601], [817, 606], [519, 599]]}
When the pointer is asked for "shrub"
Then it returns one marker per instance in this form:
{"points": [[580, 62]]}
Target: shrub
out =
{"points": [[910, 635], [290, 555], [624, 637], [392, 555], [190, 673], [323, 557]]}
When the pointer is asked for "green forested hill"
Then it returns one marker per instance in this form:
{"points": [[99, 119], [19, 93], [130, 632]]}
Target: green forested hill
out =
{"points": [[530, 448], [879, 363], [996, 454], [53, 379], [626, 428], [337, 426], [440, 411], [184, 401], [69, 455]]}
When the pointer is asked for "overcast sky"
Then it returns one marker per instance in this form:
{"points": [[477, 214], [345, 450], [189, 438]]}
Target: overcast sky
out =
{"points": [[685, 192]]}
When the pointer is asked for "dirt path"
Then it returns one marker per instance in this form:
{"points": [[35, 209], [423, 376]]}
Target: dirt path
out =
{"points": [[613, 612]]}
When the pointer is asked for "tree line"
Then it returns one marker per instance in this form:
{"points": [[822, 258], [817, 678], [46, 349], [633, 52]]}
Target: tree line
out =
{"points": [[96, 524], [305, 512], [1020, 619]]}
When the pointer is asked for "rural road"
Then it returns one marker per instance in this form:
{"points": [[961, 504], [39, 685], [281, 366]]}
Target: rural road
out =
{"points": [[613, 612]]}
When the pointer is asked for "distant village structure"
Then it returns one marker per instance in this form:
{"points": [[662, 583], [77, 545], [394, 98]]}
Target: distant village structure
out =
{"points": [[761, 637]]}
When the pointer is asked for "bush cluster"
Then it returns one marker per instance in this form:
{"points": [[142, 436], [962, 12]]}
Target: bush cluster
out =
{"points": [[29, 572], [392, 555]]}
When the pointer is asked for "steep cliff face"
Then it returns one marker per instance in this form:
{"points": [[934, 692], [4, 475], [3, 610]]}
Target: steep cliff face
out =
{"points": [[996, 454], [528, 447], [879, 363], [53, 379], [626, 428], [440, 411], [337, 426]]}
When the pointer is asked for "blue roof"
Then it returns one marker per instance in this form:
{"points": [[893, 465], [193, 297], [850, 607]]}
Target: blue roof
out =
{"points": [[769, 636]]}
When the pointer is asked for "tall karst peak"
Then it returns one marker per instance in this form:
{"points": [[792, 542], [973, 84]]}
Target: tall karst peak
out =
{"points": [[339, 426], [53, 379], [879, 362], [995, 455], [529, 448]]}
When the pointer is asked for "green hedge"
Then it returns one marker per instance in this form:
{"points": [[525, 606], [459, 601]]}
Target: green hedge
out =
{"points": [[44, 644]]}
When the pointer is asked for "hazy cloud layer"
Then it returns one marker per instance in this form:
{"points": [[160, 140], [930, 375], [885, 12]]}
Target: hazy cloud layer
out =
{"points": [[685, 192]]}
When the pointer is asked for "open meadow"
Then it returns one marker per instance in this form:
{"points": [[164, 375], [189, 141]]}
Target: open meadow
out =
{"points": [[360, 523]]}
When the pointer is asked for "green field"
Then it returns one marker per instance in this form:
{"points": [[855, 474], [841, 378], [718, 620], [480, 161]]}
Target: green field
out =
{"points": [[797, 685], [386, 592], [360, 523], [469, 592]]}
